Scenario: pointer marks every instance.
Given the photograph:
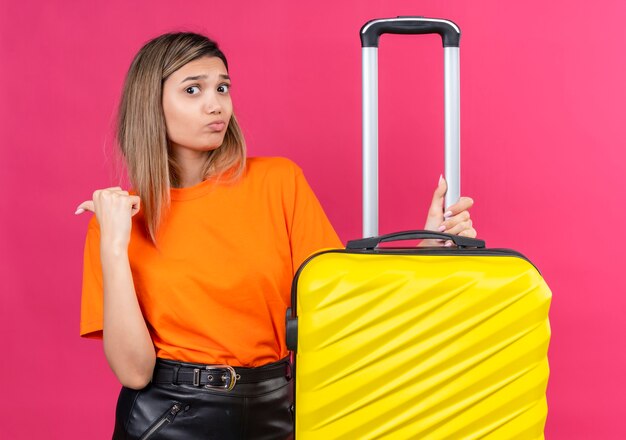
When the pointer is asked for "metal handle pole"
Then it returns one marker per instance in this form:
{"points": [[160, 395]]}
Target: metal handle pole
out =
{"points": [[452, 97], [370, 141], [450, 36]]}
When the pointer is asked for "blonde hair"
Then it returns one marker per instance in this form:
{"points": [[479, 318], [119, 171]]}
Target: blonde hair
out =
{"points": [[141, 129]]}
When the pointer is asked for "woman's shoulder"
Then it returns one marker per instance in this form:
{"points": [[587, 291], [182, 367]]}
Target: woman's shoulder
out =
{"points": [[273, 166], [271, 162]]}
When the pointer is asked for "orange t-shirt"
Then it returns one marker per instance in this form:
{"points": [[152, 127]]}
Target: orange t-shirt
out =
{"points": [[217, 289]]}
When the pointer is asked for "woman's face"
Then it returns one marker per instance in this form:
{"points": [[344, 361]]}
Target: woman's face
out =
{"points": [[197, 105]]}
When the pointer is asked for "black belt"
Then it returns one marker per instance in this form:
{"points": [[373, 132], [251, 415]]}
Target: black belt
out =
{"points": [[216, 376]]}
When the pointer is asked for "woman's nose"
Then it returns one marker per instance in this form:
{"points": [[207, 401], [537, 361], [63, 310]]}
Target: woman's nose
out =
{"points": [[212, 104]]}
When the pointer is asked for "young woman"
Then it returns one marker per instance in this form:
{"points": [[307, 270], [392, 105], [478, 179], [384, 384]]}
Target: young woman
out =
{"points": [[187, 278]]}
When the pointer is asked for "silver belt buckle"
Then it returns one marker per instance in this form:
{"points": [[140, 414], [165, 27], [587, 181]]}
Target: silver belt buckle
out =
{"points": [[227, 386]]}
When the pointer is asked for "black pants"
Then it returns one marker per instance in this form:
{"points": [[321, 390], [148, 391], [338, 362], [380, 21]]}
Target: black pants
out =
{"points": [[262, 410]]}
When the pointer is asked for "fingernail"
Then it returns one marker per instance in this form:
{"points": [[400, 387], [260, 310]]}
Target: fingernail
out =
{"points": [[448, 214], [79, 211], [442, 228], [440, 178], [448, 244]]}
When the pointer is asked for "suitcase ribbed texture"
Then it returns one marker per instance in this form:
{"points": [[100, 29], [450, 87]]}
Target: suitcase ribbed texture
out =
{"points": [[421, 347]]}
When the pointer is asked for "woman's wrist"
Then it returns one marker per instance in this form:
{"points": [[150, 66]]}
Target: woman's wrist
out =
{"points": [[113, 251]]}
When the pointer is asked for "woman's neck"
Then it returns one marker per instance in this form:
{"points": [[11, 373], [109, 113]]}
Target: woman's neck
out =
{"points": [[190, 167]]}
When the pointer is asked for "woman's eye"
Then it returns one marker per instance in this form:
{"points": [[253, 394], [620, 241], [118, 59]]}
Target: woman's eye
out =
{"points": [[223, 88], [193, 90]]}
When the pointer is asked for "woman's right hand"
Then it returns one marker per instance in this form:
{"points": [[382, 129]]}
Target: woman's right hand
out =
{"points": [[113, 208]]}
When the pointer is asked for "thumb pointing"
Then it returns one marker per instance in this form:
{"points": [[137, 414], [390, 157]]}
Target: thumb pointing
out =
{"points": [[85, 206]]}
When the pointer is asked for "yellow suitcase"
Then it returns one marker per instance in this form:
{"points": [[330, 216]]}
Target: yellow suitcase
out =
{"points": [[418, 343]]}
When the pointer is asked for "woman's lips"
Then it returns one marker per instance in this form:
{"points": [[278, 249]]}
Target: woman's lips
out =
{"points": [[216, 126]]}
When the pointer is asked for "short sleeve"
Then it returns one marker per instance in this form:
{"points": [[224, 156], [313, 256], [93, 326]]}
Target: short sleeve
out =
{"points": [[91, 306], [310, 230]]}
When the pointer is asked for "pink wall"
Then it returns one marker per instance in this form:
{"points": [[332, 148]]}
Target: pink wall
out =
{"points": [[543, 155]]}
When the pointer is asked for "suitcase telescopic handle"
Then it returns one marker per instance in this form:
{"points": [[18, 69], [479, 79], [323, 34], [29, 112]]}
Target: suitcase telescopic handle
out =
{"points": [[372, 242], [373, 29], [370, 33]]}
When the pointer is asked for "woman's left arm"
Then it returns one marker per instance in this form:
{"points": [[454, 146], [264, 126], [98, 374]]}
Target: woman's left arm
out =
{"points": [[455, 220]]}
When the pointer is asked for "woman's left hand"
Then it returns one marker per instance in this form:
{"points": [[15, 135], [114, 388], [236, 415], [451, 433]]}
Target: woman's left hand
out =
{"points": [[455, 220]]}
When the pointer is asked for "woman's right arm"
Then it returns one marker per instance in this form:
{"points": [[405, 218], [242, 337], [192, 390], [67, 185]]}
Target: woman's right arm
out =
{"points": [[127, 343]]}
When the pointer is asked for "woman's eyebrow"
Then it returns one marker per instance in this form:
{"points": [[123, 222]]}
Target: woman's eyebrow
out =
{"points": [[197, 77]]}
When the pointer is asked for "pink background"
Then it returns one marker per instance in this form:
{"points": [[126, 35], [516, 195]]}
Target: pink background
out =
{"points": [[543, 156]]}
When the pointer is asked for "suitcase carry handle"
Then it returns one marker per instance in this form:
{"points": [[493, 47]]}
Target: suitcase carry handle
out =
{"points": [[373, 29], [372, 243]]}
